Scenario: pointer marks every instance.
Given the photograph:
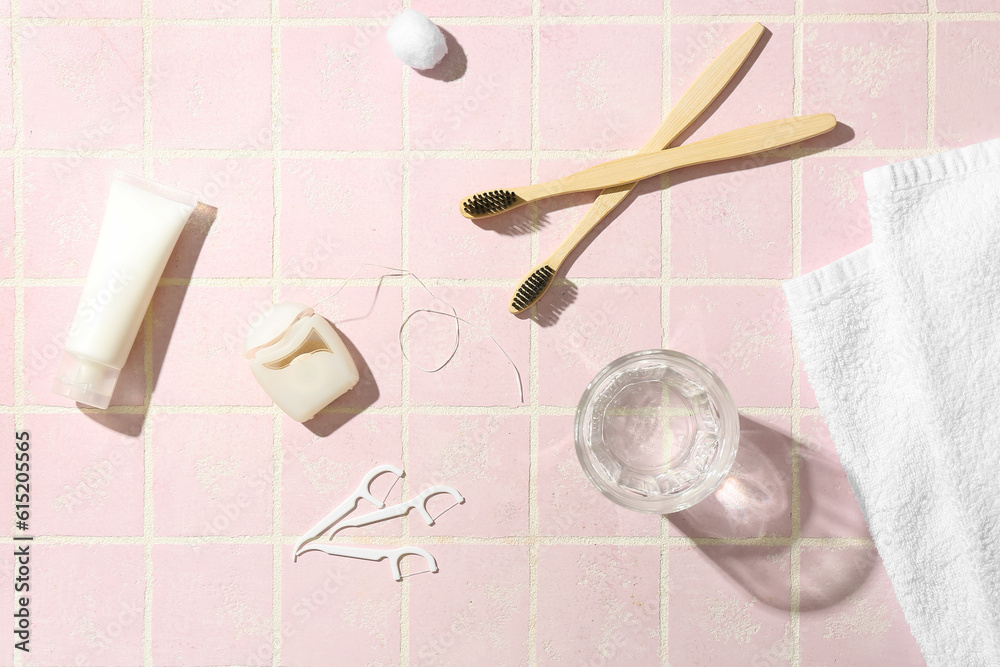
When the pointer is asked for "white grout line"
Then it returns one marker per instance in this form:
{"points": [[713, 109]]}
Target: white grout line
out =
{"points": [[276, 443], [794, 552], [533, 333], [148, 525], [563, 540], [404, 591], [18, 188], [439, 153], [665, 270], [446, 410], [654, 19]]}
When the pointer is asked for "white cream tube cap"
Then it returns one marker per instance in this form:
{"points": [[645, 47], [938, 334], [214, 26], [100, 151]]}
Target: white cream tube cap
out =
{"points": [[85, 381]]}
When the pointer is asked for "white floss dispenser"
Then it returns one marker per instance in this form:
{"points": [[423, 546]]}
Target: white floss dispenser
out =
{"points": [[299, 360]]}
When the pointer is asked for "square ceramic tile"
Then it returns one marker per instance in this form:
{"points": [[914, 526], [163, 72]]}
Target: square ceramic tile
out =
{"points": [[89, 611], [7, 346], [341, 88], [722, 227], [323, 463], [568, 504], [849, 610], [217, 9], [476, 7], [597, 324], [6, 218], [82, 86], [7, 129], [584, 101], [367, 320], [827, 504], [835, 218], [867, 6], [338, 607], [602, 7], [48, 316], [443, 243], [755, 499], [218, 483], [238, 243], [63, 205], [476, 605], [367, 8], [483, 457], [729, 606], [198, 345], [598, 602], [92, 9], [479, 96], [432, 339], [625, 244], [230, 585], [742, 333], [93, 485], [211, 87], [715, 7], [968, 79], [337, 214], [873, 77], [762, 91]]}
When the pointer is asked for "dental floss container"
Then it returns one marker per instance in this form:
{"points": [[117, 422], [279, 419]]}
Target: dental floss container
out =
{"points": [[299, 360]]}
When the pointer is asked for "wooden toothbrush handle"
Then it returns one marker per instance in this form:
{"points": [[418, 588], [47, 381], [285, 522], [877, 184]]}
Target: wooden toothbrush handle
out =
{"points": [[709, 84], [738, 143]]}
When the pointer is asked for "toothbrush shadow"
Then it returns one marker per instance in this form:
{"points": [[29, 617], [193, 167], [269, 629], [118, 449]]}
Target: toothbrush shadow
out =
{"points": [[755, 502], [180, 265], [452, 67], [364, 394], [733, 84], [556, 300]]}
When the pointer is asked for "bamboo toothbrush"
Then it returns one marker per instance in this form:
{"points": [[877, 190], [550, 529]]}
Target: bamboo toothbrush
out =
{"points": [[705, 89], [736, 143]]}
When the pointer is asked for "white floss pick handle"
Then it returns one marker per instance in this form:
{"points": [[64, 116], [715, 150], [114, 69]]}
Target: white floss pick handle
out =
{"points": [[337, 520]]}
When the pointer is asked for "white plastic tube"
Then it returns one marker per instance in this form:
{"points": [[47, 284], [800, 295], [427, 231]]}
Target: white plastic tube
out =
{"points": [[141, 225]]}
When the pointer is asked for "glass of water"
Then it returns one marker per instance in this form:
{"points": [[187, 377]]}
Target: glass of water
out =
{"points": [[656, 431]]}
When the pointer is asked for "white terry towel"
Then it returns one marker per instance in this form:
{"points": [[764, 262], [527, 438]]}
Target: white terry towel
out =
{"points": [[901, 342]]}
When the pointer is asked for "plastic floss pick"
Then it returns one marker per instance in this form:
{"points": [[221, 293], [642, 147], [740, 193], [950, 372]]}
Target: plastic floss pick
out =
{"points": [[336, 521]]}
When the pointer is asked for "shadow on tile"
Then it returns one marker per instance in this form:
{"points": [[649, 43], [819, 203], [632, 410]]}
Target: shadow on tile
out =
{"points": [[364, 394], [755, 502], [452, 67], [552, 305], [758, 48]]}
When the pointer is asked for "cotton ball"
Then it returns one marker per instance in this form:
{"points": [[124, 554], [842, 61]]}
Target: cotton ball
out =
{"points": [[415, 40]]}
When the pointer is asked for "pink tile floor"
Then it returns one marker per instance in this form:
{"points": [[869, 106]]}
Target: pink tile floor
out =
{"points": [[166, 523]]}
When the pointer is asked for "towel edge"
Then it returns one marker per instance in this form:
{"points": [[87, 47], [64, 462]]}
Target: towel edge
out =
{"points": [[929, 169], [830, 279]]}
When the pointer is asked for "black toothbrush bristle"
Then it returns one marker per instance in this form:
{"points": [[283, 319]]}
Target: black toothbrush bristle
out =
{"points": [[532, 288], [485, 203]]}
